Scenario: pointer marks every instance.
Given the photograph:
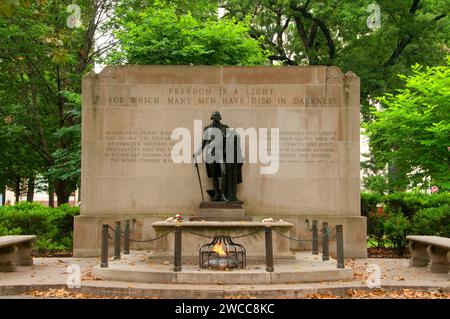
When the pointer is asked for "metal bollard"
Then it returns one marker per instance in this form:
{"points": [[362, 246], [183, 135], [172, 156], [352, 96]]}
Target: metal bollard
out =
{"points": [[325, 241], [105, 244], [126, 243], [177, 252], [269, 249], [340, 247], [315, 238], [117, 242]]}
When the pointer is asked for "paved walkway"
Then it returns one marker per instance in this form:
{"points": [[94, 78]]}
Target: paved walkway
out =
{"points": [[52, 273]]}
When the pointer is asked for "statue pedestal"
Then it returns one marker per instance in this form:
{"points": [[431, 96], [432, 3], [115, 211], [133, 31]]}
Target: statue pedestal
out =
{"points": [[220, 211]]}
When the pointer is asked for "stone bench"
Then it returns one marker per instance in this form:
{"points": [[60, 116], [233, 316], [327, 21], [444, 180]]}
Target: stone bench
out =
{"points": [[430, 251], [15, 251]]}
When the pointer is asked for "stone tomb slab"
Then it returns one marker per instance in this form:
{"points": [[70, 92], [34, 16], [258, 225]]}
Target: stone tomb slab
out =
{"points": [[198, 233]]}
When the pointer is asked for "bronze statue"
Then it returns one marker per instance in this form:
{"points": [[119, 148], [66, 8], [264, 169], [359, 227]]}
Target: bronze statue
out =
{"points": [[223, 159], [233, 166]]}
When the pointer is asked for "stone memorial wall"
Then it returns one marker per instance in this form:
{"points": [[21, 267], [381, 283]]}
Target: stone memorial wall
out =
{"points": [[130, 112]]}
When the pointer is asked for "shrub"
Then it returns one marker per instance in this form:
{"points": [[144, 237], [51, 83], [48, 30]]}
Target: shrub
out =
{"points": [[432, 221], [410, 203], [30, 218], [369, 202], [375, 229], [405, 213], [5, 231], [388, 229], [407, 203], [52, 226], [396, 226]]}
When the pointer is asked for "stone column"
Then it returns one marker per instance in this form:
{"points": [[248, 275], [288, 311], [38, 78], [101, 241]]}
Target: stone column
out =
{"points": [[419, 256], [448, 258], [23, 254], [438, 259], [8, 259]]}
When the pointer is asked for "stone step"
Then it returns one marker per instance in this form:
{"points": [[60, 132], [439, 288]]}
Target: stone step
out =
{"points": [[193, 276]]}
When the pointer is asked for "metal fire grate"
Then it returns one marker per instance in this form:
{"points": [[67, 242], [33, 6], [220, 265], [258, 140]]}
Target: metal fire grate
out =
{"points": [[222, 253]]}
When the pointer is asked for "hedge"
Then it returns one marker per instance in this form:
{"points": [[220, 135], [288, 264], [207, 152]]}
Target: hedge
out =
{"points": [[404, 214], [407, 203], [432, 221], [52, 226]]}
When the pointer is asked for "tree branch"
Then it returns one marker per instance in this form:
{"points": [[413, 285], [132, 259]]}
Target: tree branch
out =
{"points": [[414, 6], [308, 42], [407, 39], [439, 17], [312, 34], [282, 58]]}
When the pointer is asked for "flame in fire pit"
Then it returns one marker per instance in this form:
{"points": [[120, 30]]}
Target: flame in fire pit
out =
{"points": [[218, 249], [222, 254]]}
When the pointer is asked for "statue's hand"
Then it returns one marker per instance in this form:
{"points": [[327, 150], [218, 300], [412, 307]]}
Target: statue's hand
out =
{"points": [[196, 154]]}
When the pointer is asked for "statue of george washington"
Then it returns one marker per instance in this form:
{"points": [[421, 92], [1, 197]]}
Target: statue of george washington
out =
{"points": [[223, 159]]}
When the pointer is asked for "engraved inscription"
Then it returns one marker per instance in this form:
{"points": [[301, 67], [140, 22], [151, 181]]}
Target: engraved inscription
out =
{"points": [[239, 95], [154, 146], [307, 146], [138, 146]]}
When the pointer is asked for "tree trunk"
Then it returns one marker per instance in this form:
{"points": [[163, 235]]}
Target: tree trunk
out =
{"points": [[17, 190], [3, 195], [30, 190], [51, 195], [61, 190]]}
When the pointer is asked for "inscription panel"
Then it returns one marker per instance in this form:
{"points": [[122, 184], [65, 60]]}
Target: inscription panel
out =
{"points": [[138, 146], [145, 146], [217, 95], [129, 116]]}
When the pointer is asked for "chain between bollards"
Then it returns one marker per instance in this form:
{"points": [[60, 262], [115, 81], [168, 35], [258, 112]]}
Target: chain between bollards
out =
{"points": [[269, 249], [177, 249]]}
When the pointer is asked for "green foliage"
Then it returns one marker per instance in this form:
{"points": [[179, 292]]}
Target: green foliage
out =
{"points": [[412, 131], [5, 231], [402, 214], [408, 203], [389, 229], [52, 226], [67, 166], [432, 221], [332, 32], [157, 34], [42, 61], [369, 201], [376, 183], [395, 228], [375, 229]]}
